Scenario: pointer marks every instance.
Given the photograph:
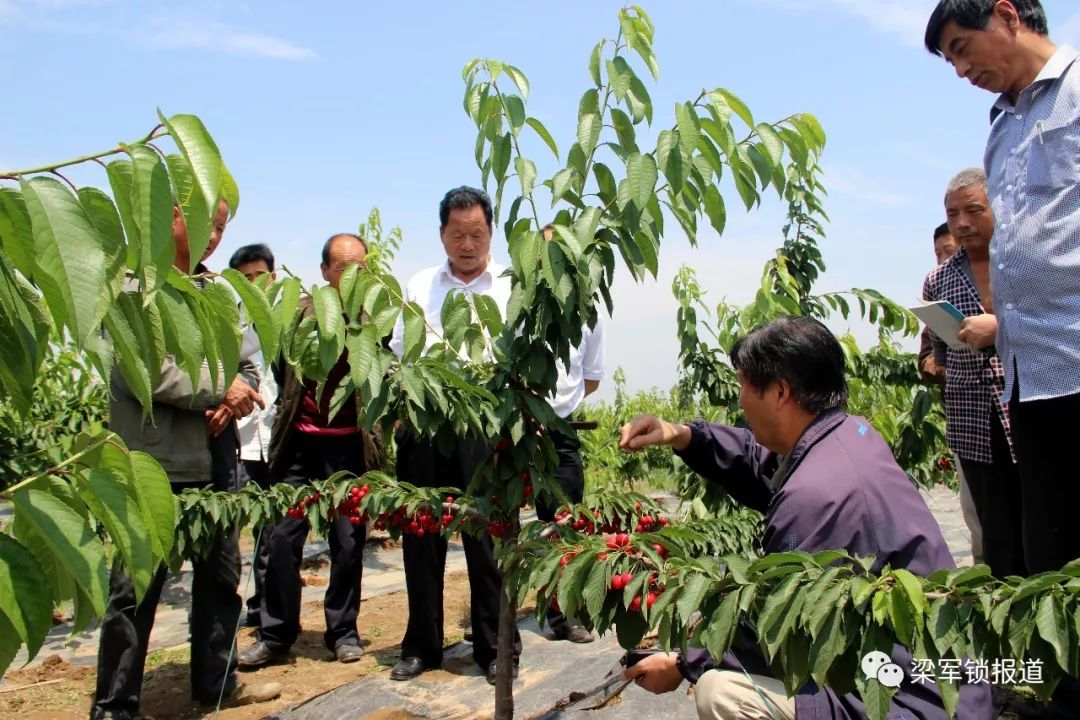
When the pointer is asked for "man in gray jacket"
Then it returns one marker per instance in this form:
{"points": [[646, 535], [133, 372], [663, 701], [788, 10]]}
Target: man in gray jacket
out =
{"points": [[196, 448]]}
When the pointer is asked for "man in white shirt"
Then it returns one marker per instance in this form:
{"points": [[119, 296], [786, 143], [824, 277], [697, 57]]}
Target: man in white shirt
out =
{"points": [[256, 262], [465, 226]]}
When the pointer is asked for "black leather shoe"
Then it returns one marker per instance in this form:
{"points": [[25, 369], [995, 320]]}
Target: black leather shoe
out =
{"points": [[491, 671], [260, 654], [407, 668], [348, 652]]}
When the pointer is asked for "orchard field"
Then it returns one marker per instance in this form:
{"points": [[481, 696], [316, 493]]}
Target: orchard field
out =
{"points": [[75, 260]]}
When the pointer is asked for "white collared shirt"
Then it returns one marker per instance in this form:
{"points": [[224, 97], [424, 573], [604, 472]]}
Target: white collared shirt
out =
{"points": [[429, 289], [586, 363], [255, 428]]}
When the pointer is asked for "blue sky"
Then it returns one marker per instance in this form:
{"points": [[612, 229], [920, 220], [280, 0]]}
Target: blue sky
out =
{"points": [[325, 110]]}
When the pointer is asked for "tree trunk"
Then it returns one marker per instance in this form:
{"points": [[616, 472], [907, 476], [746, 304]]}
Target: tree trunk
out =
{"points": [[504, 667]]}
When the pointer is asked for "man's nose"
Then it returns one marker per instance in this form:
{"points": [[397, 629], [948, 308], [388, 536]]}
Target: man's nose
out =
{"points": [[962, 69]]}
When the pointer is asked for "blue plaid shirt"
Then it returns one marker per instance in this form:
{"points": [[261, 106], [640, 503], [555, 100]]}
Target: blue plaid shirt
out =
{"points": [[1033, 165]]}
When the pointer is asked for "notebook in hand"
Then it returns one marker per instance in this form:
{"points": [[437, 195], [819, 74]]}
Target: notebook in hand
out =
{"points": [[943, 318]]}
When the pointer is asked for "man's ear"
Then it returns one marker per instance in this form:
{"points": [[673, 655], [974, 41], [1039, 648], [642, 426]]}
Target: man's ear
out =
{"points": [[783, 392]]}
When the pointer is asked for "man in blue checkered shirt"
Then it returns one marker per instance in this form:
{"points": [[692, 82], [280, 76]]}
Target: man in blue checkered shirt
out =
{"points": [[977, 424]]}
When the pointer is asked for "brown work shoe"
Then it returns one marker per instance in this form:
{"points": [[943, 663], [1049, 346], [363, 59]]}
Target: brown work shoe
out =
{"points": [[573, 633], [251, 693]]}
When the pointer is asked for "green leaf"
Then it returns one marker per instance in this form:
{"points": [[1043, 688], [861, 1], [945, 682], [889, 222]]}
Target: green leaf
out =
{"points": [[725, 102], [619, 76], [24, 595], [230, 193], [515, 112], [331, 325], [714, 208], [561, 183], [693, 593], [106, 494], [501, 152], [153, 494], [639, 102], [772, 142], [63, 541], [1054, 627], [526, 171], [589, 122], [183, 339], [225, 316], [519, 79], [122, 183], [624, 130], [877, 699], [689, 127], [193, 206], [202, 155], [258, 311], [153, 210], [641, 177], [415, 335], [780, 613], [16, 235], [544, 135], [720, 632], [594, 63], [128, 357], [73, 266]]}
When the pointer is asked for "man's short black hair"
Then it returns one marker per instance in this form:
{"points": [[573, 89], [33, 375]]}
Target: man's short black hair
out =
{"points": [[942, 229], [975, 15], [252, 253], [802, 352], [462, 198], [330, 243]]}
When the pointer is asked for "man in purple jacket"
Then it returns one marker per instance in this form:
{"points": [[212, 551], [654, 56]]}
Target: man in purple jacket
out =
{"points": [[825, 480]]}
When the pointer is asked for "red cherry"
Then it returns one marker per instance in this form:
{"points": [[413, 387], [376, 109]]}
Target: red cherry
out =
{"points": [[635, 604], [503, 444], [637, 506], [650, 599]]}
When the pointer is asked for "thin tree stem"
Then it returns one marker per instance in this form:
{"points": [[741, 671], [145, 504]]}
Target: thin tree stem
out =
{"points": [[504, 667], [15, 174]]}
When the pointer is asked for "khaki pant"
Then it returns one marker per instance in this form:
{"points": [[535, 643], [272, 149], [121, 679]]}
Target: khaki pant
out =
{"points": [[734, 695], [971, 518]]}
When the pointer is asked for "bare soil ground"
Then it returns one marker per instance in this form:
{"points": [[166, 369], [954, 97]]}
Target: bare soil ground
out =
{"points": [[58, 690]]}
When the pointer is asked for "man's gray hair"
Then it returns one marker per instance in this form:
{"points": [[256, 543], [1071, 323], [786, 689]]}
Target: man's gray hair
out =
{"points": [[966, 178]]}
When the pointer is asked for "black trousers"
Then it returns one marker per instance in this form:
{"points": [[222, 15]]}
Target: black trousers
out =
{"points": [[306, 458], [213, 620], [1043, 431], [419, 463], [995, 489], [258, 472], [570, 475]]}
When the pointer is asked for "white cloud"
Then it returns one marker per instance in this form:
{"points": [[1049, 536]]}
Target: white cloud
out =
{"points": [[904, 19], [1068, 32], [853, 182], [218, 36]]}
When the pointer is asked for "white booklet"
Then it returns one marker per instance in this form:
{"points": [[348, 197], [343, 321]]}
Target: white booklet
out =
{"points": [[943, 318]]}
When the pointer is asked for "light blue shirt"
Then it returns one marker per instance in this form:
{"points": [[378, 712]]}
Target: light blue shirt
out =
{"points": [[1033, 169]]}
